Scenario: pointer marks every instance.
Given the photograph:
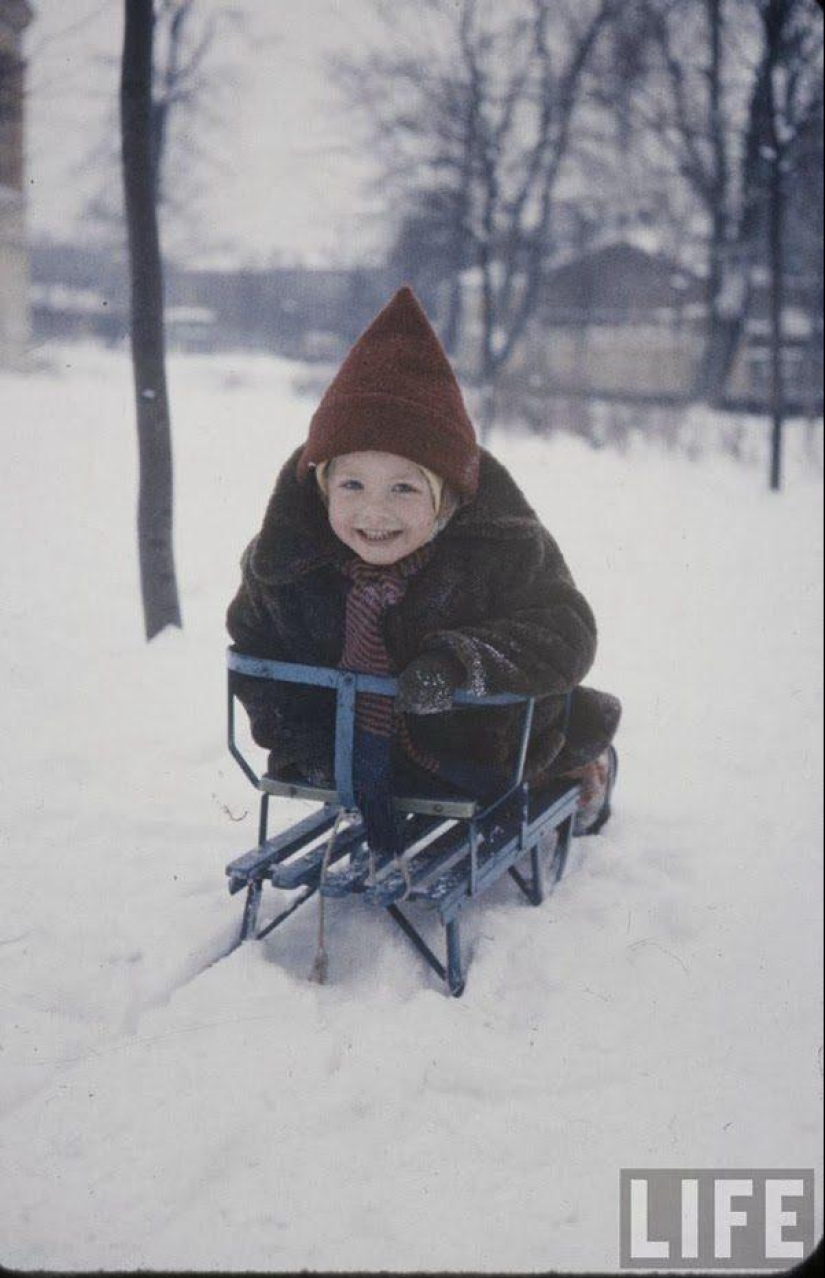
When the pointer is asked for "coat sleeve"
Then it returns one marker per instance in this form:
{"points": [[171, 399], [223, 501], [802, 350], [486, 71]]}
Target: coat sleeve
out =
{"points": [[540, 638], [294, 722]]}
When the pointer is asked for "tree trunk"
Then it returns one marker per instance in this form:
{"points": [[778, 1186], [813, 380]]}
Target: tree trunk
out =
{"points": [[777, 372], [157, 566], [733, 301], [715, 364], [486, 412], [487, 365], [776, 260], [452, 325]]}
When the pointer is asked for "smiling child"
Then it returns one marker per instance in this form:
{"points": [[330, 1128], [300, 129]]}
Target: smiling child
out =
{"points": [[413, 552]]}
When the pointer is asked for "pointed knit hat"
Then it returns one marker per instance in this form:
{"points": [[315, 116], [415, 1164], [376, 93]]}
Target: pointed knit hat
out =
{"points": [[396, 393]]}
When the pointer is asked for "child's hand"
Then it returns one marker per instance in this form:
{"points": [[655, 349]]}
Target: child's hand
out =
{"points": [[428, 683]]}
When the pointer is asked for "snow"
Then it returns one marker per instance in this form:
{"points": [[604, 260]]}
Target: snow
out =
{"points": [[662, 1008]]}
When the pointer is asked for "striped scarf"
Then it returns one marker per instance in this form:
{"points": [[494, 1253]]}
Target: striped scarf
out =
{"points": [[375, 587]]}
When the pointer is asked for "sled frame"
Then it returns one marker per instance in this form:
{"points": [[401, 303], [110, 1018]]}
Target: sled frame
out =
{"points": [[467, 859]]}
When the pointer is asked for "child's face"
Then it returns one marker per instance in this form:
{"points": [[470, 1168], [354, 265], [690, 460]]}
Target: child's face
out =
{"points": [[380, 505]]}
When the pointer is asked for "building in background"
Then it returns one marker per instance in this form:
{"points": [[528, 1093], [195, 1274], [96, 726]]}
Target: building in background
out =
{"points": [[621, 323], [616, 322], [306, 313], [15, 15]]}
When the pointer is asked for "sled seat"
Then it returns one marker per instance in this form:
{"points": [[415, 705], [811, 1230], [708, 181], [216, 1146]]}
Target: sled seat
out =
{"points": [[261, 861], [435, 854], [441, 875], [424, 803]]}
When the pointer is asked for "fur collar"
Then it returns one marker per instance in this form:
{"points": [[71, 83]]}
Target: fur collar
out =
{"points": [[296, 538]]}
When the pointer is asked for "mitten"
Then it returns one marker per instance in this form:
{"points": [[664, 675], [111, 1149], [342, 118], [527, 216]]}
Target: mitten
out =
{"points": [[428, 683]]}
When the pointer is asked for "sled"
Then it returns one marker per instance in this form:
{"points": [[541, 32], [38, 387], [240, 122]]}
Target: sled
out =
{"points": [[455, 847]]}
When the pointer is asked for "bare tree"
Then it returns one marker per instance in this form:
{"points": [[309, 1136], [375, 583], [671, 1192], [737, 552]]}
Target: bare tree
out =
{"points": [[478, 104], [192, 78], [159, 589], [678, 83], [706, 96], [699, 101], [430, 250], [790, 46]]}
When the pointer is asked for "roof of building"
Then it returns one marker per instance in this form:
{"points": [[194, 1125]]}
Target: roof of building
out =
{"points": [[618, 279]]}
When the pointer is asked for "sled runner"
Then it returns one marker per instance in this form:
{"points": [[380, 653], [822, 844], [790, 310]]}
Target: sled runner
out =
{"points": [[455, 847]]}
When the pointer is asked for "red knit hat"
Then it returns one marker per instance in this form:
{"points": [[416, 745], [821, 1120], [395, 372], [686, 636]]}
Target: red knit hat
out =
{"points": [[396, 393]]}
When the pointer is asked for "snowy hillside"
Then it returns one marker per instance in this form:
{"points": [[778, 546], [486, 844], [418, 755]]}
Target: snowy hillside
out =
{"points": [[662, 1008]]}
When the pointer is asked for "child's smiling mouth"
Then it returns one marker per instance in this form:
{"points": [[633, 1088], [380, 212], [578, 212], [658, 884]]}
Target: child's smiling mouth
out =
{"points": [[378, 536]]}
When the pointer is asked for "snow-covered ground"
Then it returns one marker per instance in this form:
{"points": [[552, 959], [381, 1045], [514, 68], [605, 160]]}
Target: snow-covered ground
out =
{"points": [[662, 1007]]}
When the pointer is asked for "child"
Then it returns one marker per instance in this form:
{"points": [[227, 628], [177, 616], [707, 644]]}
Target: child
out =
{"points": [[394, 544]]}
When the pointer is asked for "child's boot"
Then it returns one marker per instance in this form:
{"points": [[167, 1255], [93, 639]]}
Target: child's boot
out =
{"points": [[597, 780]]}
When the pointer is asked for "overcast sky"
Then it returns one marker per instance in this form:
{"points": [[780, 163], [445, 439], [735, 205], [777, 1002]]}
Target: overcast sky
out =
{"points": [[282, 179]]}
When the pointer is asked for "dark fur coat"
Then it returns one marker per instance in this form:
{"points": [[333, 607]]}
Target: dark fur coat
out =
{"points": [[496, 594]]}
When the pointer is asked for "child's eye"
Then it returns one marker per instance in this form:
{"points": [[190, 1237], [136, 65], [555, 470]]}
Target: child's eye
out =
{"points": [[352, 485], [404, 487]]}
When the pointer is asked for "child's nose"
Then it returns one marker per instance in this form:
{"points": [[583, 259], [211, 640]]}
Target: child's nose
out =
{"points": [[376, 504]]}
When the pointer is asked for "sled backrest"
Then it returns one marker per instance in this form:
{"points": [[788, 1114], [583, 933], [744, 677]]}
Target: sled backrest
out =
{"points": [[347, 684]]}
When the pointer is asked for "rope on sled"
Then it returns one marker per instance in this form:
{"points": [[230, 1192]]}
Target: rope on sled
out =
{"points": [[320, 966], [399, 864]]}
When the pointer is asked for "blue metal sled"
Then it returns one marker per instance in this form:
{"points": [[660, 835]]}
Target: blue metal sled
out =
{"points": [[455, 846]]}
